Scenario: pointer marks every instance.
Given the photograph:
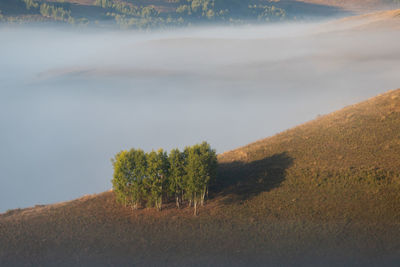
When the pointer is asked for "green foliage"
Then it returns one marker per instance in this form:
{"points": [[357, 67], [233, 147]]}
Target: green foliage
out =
{"points": [[268, 13], [148, 12], [104, 3], [148, 178], [156, 179], [126, 9], [121, 177], [177, 175], [129, 14], [31, 4], [129, 173], [200, 169], [198, 9], [56, 13]]}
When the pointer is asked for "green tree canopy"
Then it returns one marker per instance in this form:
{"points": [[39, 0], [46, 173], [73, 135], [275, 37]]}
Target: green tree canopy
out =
{"points": [[149, 178]]}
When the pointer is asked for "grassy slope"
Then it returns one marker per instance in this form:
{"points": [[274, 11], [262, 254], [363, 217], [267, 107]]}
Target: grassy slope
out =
{"points": [[356, 5], [323, 192], [362, 135], [383, 20], [331, 165]]}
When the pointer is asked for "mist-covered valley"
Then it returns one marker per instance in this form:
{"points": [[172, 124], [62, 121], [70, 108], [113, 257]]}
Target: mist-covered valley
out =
{"points": [[71, 99]]}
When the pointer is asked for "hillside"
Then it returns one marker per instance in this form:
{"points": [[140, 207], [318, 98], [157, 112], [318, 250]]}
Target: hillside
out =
{"points": [[343, 139], [376, 21], [162, 13], [325, 192], [359, 6]]}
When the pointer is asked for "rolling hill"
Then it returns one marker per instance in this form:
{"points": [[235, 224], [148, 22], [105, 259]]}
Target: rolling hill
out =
{"points": [[325, 192], [162, 13], [383, 20], [357, 5]]}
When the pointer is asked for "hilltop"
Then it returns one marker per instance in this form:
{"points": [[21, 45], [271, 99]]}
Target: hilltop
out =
{"points": [[325, 192]]}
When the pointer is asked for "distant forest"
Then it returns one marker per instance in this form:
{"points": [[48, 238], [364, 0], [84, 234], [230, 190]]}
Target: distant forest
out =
{"points": [[140, 14]]}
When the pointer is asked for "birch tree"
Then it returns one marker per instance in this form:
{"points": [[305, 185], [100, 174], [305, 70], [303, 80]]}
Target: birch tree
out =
{"points": [[157, 173], [200, 170], [129, 172], [120, 179], [139, 167], [209, 161], [176, 175], [195, 172], [149, 177]]}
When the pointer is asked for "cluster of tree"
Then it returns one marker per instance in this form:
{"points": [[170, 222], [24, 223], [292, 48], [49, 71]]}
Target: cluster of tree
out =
{"points": [[218, 10], [104, 3], [128, 22], [146, 179], [56, 13], [197, 9], [30, 4], [142, 11], [123, 8], [127, 14], [268, 13], [187, 12]]}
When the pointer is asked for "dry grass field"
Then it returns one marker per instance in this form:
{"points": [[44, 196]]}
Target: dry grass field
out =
{"points": [[323, 193], [356, 5]]}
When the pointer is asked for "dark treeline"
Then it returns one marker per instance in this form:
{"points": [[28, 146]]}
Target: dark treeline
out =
{"points": [[136, 15], [147, 179]]}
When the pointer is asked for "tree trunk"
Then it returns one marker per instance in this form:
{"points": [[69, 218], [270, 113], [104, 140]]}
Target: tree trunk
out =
{"points": [[195, 204], [160, 198], [177, 201], [203, 195]]}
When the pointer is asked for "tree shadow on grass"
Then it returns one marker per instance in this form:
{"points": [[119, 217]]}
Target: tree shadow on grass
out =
{"points": [[244, 180]]}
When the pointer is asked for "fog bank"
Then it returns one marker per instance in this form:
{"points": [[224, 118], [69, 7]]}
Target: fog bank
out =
{"points": [[70, 100]]}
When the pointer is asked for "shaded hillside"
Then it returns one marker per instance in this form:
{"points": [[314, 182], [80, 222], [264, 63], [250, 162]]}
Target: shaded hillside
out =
{"points": [[326, 193], [160, 13]]}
